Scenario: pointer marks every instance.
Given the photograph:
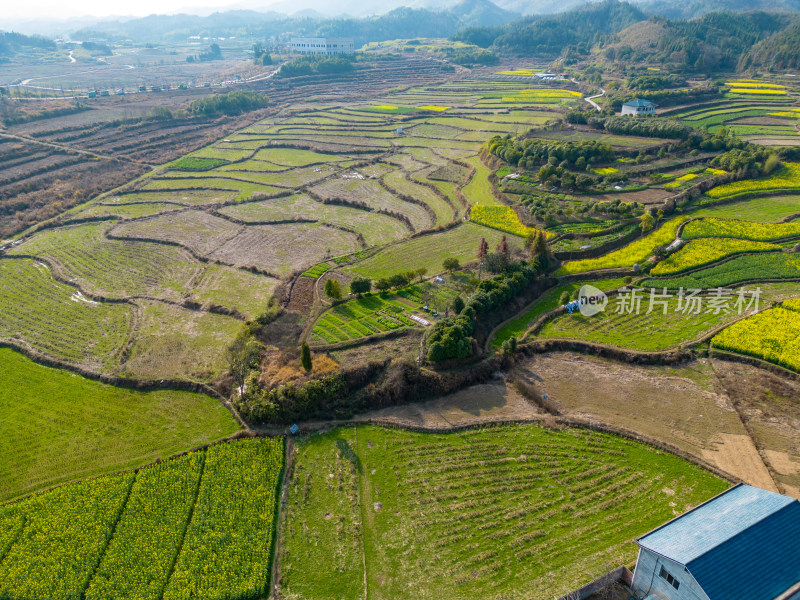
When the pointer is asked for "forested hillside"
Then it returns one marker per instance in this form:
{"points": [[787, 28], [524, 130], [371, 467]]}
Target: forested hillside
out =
{"points": [[781, 51], [713, 42], [583, 26]]}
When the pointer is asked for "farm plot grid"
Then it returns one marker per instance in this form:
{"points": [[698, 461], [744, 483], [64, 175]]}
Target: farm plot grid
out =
{"points": [[198, 526], [379, 313], [264, 203], [511, 512], [764, 118]]}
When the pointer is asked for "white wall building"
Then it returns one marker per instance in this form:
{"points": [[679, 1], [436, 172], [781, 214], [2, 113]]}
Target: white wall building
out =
{"points": [[313, 45], [639, 107]]}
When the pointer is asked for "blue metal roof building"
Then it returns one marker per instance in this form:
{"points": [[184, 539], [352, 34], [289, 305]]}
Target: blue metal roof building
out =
{"points": [[741, 545], [639, 107]]}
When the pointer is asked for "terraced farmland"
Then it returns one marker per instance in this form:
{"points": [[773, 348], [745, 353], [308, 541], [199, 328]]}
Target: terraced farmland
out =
{"points": [[740, 269], [706, 251], [198, 526], [666, 326], [513, 512], [39, 313], [771, 335], [217, 228], [760, 115], [633, 253], [380, 313], [785, 180]]}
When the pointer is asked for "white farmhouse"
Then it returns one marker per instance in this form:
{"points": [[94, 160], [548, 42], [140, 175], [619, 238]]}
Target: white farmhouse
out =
{"points": [[317, 45], [639, 107], [741, 545]]}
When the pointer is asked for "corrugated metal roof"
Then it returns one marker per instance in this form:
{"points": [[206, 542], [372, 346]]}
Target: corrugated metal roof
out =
{"points": [[638, 102], [742, 545]]}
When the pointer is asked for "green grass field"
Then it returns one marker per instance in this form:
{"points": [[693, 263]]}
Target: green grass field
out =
{"points": [[643, 331], [750, 267], [504, 512], [59, 426], [429, 251]]}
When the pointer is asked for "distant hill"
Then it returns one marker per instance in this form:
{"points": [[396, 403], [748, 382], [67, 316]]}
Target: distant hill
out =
{"points": [[398, 23], [713, 42], [690, 9], [11, 43], [551, 34], [778, 52]]}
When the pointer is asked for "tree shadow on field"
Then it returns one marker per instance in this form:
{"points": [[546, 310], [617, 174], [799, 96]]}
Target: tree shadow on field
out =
{"points": [[348, 453]]}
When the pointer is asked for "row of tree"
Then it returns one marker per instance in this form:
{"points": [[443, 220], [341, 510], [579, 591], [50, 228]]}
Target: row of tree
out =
{"points": [[230, 103], [528, 153], [451, 338]]}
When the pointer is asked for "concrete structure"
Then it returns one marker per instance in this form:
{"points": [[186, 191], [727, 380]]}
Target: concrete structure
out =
{"points": [[741, 545], [329, 46], [639, 107]]}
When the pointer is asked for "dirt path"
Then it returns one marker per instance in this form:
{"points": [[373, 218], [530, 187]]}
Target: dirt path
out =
{"points": [[737, 455], [30, 140], [362, 492], [280, 520]]}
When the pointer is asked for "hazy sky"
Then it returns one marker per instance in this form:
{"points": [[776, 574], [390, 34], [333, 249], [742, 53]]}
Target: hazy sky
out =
{"points": [[49, 9]]}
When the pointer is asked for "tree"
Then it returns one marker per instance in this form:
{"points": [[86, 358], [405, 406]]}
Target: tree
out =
{"points": [[401, 279], [510, 345], [243, 356], [503, 248], [305, 356], [530, 238], [333, 289], [541, 244], [214, 53], [421, 272], [496, 262], [483, 249], [360, 285], [647, 222], [451, 264], [382, 284], [772, 163], [458, 304]]}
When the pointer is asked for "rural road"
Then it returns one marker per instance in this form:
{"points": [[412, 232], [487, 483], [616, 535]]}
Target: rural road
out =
{"points": [[590, 99], [22, 138]]}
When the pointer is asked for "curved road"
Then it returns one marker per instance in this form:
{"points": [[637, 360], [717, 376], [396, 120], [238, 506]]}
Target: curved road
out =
{"points": [[590, 100]]}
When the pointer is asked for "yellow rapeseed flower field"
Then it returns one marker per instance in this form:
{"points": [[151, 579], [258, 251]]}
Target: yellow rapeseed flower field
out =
{"points": [[499, 217], [773, 335], [741, 90], [787, 178]]}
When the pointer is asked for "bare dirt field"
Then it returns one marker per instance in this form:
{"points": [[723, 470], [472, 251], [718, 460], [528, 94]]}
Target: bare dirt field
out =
{"points": [[740, 419], [493, 402], [702, 408]]}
